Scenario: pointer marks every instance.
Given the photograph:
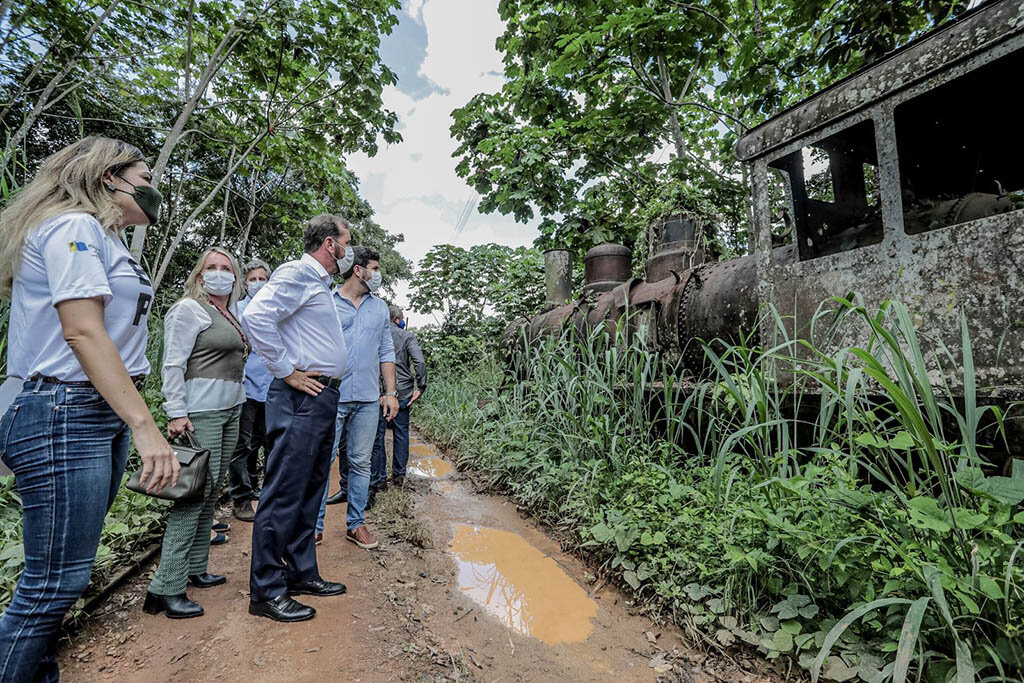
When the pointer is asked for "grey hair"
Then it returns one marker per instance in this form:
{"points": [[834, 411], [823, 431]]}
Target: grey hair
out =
{"points": [[395, 312], [320, 228], [254, 265]]}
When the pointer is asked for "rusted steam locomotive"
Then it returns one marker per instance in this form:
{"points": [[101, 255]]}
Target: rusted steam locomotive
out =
{"points": [[901, 181]]}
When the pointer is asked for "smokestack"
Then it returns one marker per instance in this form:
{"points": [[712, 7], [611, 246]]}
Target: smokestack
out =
{"points": [[606, 266], [675, 247], [557, 276]]}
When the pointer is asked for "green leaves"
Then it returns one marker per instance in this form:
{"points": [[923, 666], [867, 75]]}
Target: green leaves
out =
{"points": [[837, 631], [1005, 490]]}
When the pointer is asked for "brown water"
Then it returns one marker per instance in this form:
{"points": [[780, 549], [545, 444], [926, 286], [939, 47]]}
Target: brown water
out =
{"points": [[521, 586], [432, 466], [421, 450]]}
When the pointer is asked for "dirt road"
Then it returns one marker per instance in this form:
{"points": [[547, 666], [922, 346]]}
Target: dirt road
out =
{"points": [[463, 588]]}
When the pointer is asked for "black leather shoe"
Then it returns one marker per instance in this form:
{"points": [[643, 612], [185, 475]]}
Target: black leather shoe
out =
{"points": [[339, 497], [175, 606], [282, 608], [316, 587], [256, 494], [206, 580], [371, 500]]}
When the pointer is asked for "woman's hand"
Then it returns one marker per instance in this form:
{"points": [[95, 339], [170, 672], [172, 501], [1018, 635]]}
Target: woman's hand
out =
{"points": [[159, 466], [178, 425]]}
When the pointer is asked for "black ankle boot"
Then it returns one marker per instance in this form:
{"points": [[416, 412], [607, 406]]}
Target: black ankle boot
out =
{"points": [[176, 606], [206, 580]]}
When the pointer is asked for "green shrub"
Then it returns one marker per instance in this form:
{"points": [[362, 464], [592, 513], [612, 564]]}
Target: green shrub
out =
{"points": [[882, 547]]}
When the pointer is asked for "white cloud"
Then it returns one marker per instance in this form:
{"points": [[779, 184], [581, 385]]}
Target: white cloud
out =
{"points": [[413, 186], [414, 8]]}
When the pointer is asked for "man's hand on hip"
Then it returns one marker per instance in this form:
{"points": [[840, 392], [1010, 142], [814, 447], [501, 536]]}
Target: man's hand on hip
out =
{"points": [[303, 381], [390, 406], [415, 396]]}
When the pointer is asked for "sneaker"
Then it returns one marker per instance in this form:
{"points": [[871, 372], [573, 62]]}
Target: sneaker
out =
{"points": [[361, 537], [319, 538]]}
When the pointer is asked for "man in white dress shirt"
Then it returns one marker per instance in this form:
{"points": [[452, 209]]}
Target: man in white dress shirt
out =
{"points": [[292, 324]]}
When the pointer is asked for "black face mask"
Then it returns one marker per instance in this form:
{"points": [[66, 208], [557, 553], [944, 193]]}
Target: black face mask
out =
{"points": [[147, 197]]}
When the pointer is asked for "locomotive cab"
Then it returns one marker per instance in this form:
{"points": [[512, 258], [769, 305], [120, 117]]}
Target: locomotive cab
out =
{"points": [[904, 181]]}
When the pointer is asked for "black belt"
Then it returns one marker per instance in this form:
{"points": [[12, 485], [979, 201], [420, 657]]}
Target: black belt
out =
{"points": [[332, 382], [138, 380]]}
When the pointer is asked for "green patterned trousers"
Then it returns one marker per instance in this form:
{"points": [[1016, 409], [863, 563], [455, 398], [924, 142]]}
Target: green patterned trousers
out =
{"points": [[186, 547]]}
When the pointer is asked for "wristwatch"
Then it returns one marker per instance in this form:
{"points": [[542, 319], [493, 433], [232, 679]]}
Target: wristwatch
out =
{"points": [[390, 393]]}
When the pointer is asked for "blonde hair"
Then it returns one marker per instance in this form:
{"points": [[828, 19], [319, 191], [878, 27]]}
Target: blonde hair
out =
{"points": [[67, 181], [194, 288]]}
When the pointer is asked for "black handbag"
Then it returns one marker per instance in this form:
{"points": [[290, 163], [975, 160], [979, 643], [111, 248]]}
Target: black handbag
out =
{"points": [[195, 465]]}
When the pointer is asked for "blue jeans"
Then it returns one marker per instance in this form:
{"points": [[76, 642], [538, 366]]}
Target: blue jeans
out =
{"points": [[67, 449], [400, 450], [357, 422]]}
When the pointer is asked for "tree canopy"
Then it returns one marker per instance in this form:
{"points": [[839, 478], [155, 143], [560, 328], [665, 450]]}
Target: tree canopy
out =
{"points": [[247, 112], [617, 111]]}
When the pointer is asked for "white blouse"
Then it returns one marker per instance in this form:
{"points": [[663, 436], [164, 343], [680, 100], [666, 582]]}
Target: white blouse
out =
{"points": [[182, 324]]}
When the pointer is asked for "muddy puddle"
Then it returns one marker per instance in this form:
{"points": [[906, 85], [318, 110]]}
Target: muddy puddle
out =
{"points": [[521, 586], [421, 450], [433, 467]]}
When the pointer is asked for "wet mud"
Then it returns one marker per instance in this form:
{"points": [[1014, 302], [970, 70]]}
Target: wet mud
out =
{"points": [[463, 588]]}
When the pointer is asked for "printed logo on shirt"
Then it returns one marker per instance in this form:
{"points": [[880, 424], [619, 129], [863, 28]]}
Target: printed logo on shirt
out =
{"points": [[77, 246], [145, 298]]}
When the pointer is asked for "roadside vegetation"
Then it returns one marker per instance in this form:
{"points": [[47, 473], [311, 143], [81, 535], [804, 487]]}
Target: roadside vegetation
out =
{"points": [[882, 544]]}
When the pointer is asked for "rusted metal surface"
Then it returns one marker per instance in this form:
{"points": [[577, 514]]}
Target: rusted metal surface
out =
{"points": [[940, 50], [557, 276], [605, 267], [675, 247], [721, 302]]}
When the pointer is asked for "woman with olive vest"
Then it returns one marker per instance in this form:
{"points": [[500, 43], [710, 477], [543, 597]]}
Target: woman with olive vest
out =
{"points": [[79, 308], [204, 359]]}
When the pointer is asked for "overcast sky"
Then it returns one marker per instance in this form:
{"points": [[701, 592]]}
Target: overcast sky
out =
{"points": [[443, 52]]}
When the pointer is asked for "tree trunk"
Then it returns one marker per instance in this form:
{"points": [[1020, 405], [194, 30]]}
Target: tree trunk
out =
{"points": [[162, 270], [244, 240], [44, 98], [227, 196], [217, 59], [666, 91]]}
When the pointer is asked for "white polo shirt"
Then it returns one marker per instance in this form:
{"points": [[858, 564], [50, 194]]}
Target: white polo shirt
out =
{"points": [[68, 257]]}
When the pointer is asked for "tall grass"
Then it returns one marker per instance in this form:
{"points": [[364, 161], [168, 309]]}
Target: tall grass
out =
{"points": [[827, 503]]}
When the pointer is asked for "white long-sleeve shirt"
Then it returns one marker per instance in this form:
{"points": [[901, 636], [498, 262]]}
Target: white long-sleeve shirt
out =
{"points": [[292, 323], [182, 325]]}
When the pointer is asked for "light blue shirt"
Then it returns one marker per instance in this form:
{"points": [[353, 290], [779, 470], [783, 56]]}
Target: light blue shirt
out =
{"points": [[257, 377], [367, 333]]}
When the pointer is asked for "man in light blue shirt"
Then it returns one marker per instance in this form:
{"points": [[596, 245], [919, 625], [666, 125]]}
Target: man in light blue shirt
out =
{"points": [[365, 326]]}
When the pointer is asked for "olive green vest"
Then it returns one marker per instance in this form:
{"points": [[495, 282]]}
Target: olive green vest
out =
{"points": [[219, 352]]}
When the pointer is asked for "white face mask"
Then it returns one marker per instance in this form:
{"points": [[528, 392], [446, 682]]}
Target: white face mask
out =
{"points": [[373, 284], [218, 282], [345, 262], [255, 286]]}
